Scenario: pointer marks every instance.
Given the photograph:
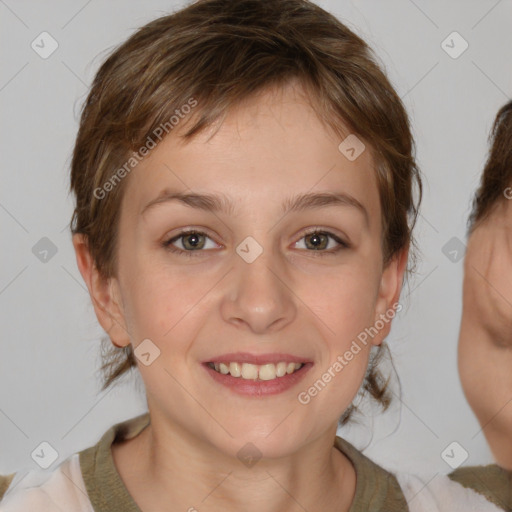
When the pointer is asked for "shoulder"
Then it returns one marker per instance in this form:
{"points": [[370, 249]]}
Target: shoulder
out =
{"points": [[84, 482], [5, 482], [376, 488], [491, 481], [380, 489], [60, 489], [442, 494]]}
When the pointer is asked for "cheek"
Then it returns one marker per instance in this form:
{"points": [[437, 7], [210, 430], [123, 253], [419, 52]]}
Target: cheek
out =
{"points": [[160, 304], [344, 300], [344, 308]]}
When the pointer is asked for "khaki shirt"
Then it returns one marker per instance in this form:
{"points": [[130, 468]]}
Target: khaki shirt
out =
{"points": [[89, 481]]}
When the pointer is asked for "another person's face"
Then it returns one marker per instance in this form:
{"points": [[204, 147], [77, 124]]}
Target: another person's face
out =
{"points": [[211, 298], [485, 340]]}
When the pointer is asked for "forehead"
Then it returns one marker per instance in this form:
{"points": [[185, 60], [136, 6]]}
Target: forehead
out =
{"points": [[269, 147]]}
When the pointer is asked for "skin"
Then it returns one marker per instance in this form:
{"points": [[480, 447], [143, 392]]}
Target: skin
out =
{"points": [[485, 339], [288, 300]]}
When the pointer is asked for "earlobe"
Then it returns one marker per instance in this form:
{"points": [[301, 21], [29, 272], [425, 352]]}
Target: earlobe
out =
{"points": [[389, 292], [107, 307]]}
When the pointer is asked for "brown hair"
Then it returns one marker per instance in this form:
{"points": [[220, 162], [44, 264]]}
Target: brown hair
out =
{"points": [[497, 175], [220, 52]]}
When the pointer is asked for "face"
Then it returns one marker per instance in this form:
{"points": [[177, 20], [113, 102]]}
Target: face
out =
{"points": [[485, 341], [280, 263]]}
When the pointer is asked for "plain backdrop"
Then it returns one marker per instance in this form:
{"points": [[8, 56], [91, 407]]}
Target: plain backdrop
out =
{"points": [[49, 384]]}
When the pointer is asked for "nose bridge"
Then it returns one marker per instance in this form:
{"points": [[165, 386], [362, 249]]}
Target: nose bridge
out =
{"points": [[256, 267], [258, 296]]}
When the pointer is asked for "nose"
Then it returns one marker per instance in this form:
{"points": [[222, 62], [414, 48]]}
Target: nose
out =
{"points": [[258, 296]]}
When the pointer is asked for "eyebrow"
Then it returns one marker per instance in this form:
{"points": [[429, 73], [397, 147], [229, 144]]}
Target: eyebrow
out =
{"points": [[222, 204]]}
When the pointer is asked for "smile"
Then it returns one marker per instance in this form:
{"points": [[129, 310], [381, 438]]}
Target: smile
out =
{"points": [[247, 371]]}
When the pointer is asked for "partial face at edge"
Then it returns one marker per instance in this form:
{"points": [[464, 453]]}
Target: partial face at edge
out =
{"points": [[485, 338]]}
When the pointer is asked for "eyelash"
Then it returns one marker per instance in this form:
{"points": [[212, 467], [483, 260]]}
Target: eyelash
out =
{"points": [[167, 244]]}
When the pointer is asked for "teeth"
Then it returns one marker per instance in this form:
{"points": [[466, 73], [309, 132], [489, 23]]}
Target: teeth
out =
{"points": [[234, 369], [267, 372], [281, 369], [249, 371]]}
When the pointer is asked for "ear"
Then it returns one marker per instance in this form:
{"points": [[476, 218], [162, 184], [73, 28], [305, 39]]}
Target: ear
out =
{"points": [[104, 294], [389, 294]]}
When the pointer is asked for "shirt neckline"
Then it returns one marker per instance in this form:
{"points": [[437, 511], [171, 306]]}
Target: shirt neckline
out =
{"points": [[104, 485], [376, 488]]}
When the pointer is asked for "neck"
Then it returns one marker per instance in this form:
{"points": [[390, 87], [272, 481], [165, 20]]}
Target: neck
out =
{"points": [[193, 475]]}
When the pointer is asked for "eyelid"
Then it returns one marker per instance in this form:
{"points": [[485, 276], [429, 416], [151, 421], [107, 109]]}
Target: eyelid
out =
{"points": [[168, 242], [341, 240], [322, 229], [342, 244]]}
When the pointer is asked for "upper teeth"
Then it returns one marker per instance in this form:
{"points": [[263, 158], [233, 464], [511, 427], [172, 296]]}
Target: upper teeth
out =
{"points": [[252, 371]]}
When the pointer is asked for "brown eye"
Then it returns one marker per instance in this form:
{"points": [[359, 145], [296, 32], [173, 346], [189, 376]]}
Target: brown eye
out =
{"points": [[189, 242], [193, 241], [318, 240]]}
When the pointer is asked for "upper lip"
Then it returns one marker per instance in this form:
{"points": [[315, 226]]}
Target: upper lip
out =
{"points": [[258, 359]]}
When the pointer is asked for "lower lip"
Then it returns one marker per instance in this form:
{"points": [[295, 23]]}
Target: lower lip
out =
{"points": [[259, 387]]}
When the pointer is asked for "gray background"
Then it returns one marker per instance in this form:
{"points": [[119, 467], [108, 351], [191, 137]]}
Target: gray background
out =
{"points": [[49, 385]]}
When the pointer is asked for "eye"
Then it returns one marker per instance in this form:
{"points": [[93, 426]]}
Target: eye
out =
{"points": [[191, 241], [319, 240]]}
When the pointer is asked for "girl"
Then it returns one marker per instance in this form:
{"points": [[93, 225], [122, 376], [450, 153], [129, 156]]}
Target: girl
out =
{"points": [[244, 180]]}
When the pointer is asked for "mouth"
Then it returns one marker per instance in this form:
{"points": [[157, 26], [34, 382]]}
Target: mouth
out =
{"points": [[257, 375], [248, 371]]}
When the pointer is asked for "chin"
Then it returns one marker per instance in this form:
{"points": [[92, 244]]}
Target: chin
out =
{"points": [[255, 443]]}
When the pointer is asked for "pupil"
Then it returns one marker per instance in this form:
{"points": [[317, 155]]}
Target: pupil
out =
{"points": [[193, 240], [316, 240]]}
